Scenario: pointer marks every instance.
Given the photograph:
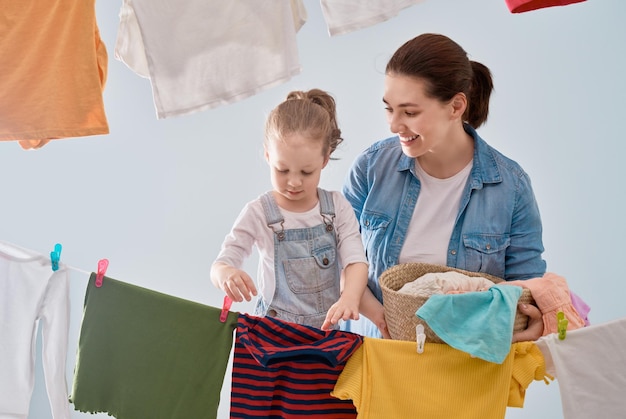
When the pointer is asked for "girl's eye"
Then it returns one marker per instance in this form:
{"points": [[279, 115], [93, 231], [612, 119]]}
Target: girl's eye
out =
{"points": [[307, 173], [282, 171]]}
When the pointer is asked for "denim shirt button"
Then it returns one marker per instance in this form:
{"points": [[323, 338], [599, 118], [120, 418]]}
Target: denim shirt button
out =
{"points": [[453, 252], [488, 246]]}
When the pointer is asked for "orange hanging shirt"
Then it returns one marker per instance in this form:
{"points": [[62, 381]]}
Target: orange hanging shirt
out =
{"points": [[53, 68]]}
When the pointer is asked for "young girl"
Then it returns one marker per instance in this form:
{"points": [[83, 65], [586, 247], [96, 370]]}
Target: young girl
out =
{"points": [[305, 235]]}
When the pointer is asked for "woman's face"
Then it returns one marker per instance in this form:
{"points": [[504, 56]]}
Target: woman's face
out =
{"points": [[421, 122]]}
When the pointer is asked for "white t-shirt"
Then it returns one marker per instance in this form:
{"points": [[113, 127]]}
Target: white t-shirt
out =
{"points": [[428, 235], [250, 230]]}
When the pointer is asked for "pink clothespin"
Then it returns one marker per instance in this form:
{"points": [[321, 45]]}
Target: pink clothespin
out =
{"points": [[225, 308], [103, 264]]}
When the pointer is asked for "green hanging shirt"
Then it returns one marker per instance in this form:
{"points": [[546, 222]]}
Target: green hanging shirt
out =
{"points": [[147, 355]]}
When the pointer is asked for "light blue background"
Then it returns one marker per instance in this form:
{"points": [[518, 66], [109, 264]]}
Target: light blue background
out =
{"points": [[156, 197]]}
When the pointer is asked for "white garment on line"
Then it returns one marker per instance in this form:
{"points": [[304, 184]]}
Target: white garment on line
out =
{"points": [[590, 367], [31, 293], [201, 54], [343, 16]]}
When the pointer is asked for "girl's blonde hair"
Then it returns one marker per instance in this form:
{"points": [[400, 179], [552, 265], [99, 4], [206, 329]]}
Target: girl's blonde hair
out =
{"points": [[311, 114]]}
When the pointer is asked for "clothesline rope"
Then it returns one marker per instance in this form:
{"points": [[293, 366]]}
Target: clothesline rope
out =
{"points": [[14, 250]]}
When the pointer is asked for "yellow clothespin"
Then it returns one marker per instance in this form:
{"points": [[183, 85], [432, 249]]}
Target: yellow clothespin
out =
{"points": [[561, 323]]}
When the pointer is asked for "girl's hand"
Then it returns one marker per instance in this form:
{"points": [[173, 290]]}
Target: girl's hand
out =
{"points": [[342, 309], [234, 282]]}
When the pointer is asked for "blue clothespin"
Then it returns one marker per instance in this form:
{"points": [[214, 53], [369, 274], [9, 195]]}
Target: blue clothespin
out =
{"points": [[55, 256], [561, 324]]}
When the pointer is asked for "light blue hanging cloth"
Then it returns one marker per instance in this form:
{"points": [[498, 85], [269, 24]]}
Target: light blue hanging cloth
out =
{"points": [[479, 323]]}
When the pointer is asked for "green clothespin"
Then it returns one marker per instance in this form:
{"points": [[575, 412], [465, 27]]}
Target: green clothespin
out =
{"points": [[561, 323]]}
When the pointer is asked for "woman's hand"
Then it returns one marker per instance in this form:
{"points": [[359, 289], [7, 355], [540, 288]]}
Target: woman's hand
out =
{"points": [[374, 310], [535, 324]]}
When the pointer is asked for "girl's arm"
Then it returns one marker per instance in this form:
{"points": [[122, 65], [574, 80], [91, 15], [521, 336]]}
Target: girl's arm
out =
{"points": [[237, 246], [354, 279]]}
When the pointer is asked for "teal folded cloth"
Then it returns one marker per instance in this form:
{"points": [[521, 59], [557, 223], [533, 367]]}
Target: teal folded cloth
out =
{"points": [[479, 323], [147, 355]]}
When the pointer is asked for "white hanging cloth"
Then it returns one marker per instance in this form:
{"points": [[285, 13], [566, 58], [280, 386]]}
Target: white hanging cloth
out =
{"points": [[201, 54], [590, 367], [343, 16]]}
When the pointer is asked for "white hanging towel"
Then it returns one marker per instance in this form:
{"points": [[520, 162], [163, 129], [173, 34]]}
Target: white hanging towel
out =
{"points": [[200, 54], [343, 16], [590, 367], [32, 293]]}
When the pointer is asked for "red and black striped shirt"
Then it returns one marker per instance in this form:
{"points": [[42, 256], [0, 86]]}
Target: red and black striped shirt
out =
{"points": [[286, 370]]}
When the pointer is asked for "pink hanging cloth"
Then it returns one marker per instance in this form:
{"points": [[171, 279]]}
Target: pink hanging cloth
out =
{"points": [[521, 6]]}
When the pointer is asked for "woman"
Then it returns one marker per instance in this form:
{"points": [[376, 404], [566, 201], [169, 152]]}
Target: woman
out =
{"points": [[436, 192]]}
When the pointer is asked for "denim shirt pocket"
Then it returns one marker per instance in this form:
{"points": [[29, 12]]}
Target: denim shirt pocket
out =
{"points": [[373, 229], [486, 252]]}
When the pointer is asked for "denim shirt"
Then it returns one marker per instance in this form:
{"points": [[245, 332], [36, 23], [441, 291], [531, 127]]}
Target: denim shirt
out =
{"points": [[498, 227]]}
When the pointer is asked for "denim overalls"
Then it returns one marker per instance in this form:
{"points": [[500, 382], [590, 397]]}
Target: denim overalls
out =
{"points": [[305, 266]]}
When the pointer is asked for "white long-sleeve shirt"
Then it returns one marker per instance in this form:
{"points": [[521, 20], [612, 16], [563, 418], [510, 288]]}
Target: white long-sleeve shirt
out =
{"points": [[250, 230], [32, 294]]}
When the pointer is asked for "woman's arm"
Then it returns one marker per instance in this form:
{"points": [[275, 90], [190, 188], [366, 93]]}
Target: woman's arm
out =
{"points": [[372, 309], [523, 256]]}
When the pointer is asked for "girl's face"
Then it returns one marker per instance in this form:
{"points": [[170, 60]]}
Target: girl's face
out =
{"points": [[296, 166], [421, 122]]}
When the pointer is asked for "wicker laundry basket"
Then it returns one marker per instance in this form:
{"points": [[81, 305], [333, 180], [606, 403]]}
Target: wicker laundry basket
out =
{"points": [[400, 308]]}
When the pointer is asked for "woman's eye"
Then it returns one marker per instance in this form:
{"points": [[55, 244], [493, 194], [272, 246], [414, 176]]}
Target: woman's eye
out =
{"points": [[410, 113]]}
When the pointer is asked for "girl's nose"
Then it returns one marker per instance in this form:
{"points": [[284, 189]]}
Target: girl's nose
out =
{"points": [[295, 181]]}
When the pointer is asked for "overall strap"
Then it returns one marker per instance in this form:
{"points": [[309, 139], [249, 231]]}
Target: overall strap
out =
{"points": [[326, 202], [327, 208], [272, 213]]}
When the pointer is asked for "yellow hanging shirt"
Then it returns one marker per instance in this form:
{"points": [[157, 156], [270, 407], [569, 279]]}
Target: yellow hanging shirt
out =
{"points": [[389, 379]]}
